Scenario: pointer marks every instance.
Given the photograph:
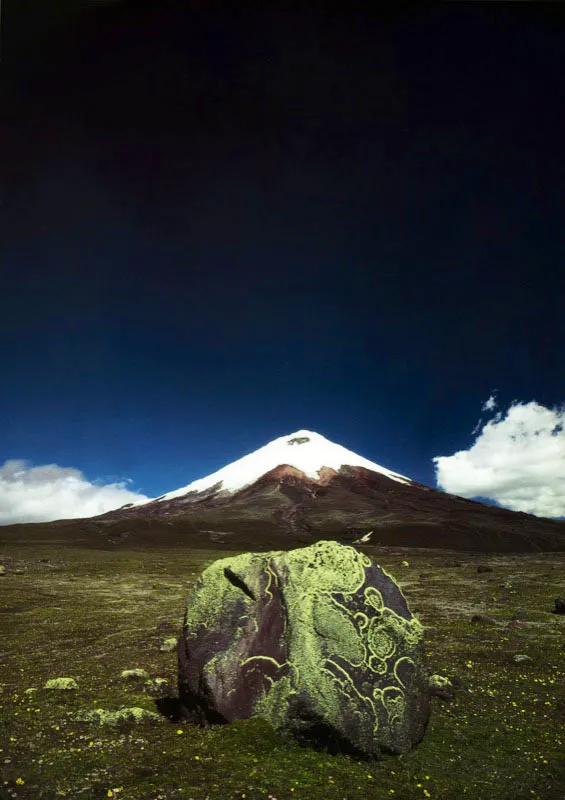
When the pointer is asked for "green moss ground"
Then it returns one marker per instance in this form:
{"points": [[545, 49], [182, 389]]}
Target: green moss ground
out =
{"points": [[90, 614]]}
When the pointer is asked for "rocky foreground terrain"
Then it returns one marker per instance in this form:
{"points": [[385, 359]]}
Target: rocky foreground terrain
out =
{"points": [[107, 619]]}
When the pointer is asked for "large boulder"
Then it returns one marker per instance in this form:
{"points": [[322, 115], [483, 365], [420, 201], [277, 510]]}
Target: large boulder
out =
{"points": [[319, 641]]}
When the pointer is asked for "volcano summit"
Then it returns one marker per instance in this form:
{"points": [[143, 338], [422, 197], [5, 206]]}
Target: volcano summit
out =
{"points": [[302, 487], [305, 452]]}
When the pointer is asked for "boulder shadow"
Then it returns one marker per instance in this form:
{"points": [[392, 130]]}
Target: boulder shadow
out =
{"points": [[170, 707]]}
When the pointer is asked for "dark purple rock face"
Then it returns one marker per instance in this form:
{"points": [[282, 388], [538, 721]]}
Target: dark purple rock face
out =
{"points": [[318, 641]]}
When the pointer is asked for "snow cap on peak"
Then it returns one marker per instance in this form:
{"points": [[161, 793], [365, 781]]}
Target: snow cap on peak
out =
{"points": [[305, 450]]}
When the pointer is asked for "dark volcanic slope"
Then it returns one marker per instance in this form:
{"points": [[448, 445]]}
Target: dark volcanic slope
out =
{"points": [[285, 509], [286, 506]]}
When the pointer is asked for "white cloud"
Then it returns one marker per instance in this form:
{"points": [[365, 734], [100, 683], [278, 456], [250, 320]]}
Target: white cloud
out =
{"points": [[477, 427], [517, 460], [490, 404], [49, 492]]}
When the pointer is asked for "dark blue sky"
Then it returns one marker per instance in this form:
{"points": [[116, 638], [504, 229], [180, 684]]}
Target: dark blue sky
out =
{"points": [[221, 224]]}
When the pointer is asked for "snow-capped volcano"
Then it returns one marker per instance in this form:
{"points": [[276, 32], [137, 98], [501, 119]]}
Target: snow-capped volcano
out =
{"points": [[306, 451], [302, 487]]}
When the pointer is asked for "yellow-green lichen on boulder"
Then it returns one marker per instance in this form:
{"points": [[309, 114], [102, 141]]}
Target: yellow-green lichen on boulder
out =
{"points": [[61, 683], [318, 641]]}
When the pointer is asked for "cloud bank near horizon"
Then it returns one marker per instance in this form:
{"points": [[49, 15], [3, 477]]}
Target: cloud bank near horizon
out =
{"points": [[517, 460], [49, 492]]}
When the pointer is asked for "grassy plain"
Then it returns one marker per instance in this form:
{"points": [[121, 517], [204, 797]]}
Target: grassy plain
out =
{"points": [[90, 613]]}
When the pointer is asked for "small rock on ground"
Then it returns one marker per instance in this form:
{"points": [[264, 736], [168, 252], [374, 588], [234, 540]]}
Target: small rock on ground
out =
{"points": [[559, 606], [483, 619], [134, 675], [102, 716], [61, 683], [441, 687]]}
